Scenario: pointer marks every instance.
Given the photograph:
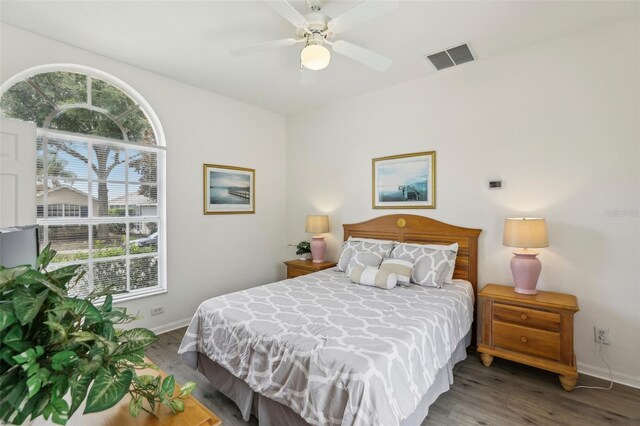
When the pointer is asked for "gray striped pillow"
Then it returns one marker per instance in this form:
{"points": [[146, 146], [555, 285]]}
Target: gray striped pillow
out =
{"points": [[402, 269], [373, 277]]}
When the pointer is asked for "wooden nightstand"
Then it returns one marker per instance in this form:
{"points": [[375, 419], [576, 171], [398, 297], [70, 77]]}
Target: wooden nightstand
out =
{"points": [[298, 267], [536, 330]]}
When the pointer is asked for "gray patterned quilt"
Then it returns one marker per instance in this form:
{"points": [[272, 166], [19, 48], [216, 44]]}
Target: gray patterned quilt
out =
{"points": [[335, 352]]}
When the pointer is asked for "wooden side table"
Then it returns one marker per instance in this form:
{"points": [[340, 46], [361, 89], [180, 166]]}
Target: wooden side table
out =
{"points": [[298, 267], [194, 414], [535, 330]]}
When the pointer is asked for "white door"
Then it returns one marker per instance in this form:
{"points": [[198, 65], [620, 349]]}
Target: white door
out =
{"points": [[17, 173]]}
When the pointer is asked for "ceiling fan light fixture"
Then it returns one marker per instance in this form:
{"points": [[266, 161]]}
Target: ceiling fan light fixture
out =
{"points": [[315, 57]]}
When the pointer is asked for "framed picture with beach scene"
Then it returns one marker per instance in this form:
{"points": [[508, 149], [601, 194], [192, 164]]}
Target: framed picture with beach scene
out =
{"points": [[406, 181], [229, 190]]}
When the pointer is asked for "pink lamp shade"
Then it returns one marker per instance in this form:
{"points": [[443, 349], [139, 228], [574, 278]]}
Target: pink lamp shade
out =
{"points": [[317, 224], [525, 233]]}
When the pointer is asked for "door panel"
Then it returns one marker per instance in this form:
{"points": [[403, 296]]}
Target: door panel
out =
{"points": [[17, 173]]}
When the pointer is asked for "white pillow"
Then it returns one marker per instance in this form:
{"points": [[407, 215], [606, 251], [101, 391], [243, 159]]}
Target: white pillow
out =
{"points": [[413, 252]]}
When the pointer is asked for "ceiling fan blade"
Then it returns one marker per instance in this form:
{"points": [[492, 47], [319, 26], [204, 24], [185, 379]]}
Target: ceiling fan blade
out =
{"points": [[362, 55], [288, 12], [363, 12], [265, 46]]}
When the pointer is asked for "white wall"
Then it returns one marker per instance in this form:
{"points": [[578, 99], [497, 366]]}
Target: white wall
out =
{"points": [[207, 255], [558, 122]]}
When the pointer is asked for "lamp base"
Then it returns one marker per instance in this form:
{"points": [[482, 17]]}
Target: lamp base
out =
{"points": [[525, 267], [318, 249]]}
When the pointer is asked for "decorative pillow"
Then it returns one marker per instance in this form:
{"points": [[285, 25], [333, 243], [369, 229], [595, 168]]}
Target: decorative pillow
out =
{"points": [[374, 277], [364, 259], [383, 247], [414, 252], [402, 269]]}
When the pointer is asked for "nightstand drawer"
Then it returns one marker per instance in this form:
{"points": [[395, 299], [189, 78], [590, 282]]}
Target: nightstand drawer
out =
{"points": [[526, 340], [526, 317], [295, 272]]}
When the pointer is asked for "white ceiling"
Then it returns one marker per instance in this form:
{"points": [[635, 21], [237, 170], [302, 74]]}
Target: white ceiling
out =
{"points": [[189, 41]]}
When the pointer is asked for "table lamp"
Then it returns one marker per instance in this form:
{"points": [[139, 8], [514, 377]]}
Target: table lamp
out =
{"points": [[317, 224], [525, 233]]}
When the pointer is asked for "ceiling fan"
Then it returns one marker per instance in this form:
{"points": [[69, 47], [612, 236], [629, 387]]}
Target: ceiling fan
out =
{"points": [[317, 30]]}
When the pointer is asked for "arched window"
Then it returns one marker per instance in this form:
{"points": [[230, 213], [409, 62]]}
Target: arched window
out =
{"points": [[100, 159]]}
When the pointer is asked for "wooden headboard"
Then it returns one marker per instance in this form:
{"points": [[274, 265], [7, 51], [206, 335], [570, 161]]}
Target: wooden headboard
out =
{"points": [[409, 228]]}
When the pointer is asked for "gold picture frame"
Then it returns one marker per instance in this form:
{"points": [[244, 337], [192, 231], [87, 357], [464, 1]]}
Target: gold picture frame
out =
{"points": [[406, 181], [228, 189]]}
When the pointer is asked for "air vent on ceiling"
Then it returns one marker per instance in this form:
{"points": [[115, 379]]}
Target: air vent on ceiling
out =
{"points": [[450, 57]]}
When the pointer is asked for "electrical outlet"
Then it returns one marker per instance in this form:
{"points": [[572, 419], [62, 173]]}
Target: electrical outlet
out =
{"points": [[157, 310], [601, 335]]}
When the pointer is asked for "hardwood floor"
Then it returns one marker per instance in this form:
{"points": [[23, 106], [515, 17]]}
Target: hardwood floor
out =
{"points": [[504, 394]]}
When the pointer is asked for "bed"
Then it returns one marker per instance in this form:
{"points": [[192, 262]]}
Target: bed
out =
{"points": [[320, 350]]}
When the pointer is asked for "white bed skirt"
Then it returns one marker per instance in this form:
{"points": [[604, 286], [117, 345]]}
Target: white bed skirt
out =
{"points": [[271, 413]]}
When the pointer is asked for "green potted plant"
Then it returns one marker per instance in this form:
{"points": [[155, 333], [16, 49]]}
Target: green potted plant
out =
{"points": [[54, 345], [303, 248]]}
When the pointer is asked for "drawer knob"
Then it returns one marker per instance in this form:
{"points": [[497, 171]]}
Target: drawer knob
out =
{"points": [[523, 316], [523, 339]]}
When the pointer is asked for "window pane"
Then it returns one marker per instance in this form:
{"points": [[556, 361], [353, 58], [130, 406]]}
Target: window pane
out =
{"points": [[108, 163], [71, 242], [24, 103], [110, 274], [110, 97], [143, 166], [66, 159], [84, 121], [143, 237], [144, 272], [143, 200], [138, 128], [80, 288], [63, 87], [109, 239], [110, 199], [64, 200]]}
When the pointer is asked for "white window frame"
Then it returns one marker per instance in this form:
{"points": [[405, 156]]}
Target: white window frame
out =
{"points": [[159, 149]]}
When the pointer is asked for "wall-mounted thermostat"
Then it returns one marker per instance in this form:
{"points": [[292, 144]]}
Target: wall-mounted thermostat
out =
{"points": [[495, 184]]}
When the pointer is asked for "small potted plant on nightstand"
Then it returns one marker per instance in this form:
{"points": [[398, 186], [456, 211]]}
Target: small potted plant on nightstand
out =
{"points": [[303, 248]]}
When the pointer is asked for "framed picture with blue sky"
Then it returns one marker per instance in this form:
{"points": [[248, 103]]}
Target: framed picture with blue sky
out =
{"points": [[406, 181], [228, 189]]}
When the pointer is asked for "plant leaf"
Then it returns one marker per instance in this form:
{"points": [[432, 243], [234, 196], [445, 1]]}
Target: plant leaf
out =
{"points": [[32, 276], [136, 338], [79, 389], [108, 304], [60, 411], [58, 328], [62, 276], [168, 384], [134, 406], [27, 306], [176, 405], [10, 274], [187, 388], [45, 257], [7, 317], [107, 390], [63, 359], [33, 385], [13, 339], [25, 357], [84, 308]]}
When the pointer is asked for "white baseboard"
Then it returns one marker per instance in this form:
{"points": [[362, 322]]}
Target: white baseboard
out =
{"points": [[603, 373], [165, 328]]}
